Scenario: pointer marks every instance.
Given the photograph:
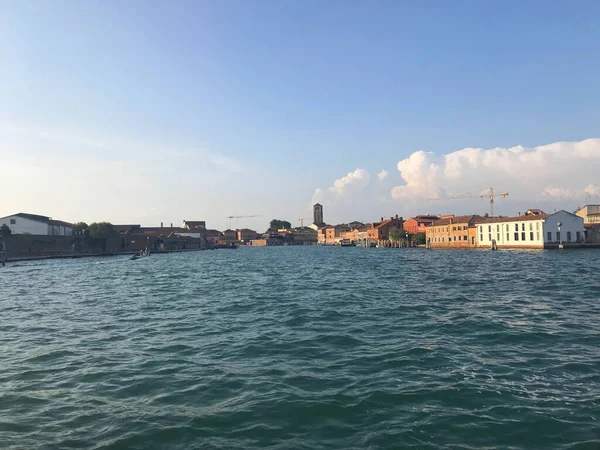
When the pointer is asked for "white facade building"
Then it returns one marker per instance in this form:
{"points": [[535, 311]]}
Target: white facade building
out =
{"points": [[539, 231], [36, 225]]}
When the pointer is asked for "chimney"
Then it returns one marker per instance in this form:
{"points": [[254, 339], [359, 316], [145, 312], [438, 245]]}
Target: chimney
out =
{"points": [[392, 218], [487, 215], [382, 219], [171, 225], [396, 216], [161, 224], [519, 214]]}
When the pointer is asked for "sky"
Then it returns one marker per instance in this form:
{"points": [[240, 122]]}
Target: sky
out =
{"points": [[148, 112]]}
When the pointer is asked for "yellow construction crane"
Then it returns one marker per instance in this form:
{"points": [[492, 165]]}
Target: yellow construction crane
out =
{"points": [[490, 195], [302, 219], [237, 217]]}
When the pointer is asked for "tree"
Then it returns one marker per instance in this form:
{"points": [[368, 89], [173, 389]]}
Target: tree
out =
{"points": [[101, 229], [395, 234], [278, 224], [420, 238], [80, 228], [5, 230]]}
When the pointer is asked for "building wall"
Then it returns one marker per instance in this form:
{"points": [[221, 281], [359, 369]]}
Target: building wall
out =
{"points": [[22, 225], [411, 226], [571, 225], [589, 213], [59, 230], [455, 235], [513, 234], [318, 214]]}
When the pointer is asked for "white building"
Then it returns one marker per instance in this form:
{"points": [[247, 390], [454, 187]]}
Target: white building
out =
{"points": [[36, 225], [533, 231]]}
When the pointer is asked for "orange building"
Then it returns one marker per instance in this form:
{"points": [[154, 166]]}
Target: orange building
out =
{"points": [[454, 232], [419, 224]]}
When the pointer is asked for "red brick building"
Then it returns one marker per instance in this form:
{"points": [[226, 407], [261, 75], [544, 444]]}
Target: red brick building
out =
{"points": [[419, 224], [381, 230]]}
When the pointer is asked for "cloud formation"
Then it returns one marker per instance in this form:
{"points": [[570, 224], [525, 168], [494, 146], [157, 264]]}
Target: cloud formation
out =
{"points": [[559, 170], [351, 183], [382, 175]]}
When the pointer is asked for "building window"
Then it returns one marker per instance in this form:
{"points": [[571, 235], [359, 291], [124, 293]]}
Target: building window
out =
{"points": [[13, 221], [537, 235], [568, 236], [558, 235], [517, 236], [523, 236], [578, 234], [531, 236], [507, 237], [516, 227], [537, 226], [489, 228], [549, 236], [498, 237], [522, 227], [465, 228], [481, 237], [498, 229], [490, 236]]}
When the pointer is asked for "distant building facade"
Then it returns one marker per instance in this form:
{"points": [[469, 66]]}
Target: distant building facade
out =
{"points": [[531, 231], [245, 234], [318, 214], [589, 214], [36, 225], [419, 224], [381, 230], [453, 232]]}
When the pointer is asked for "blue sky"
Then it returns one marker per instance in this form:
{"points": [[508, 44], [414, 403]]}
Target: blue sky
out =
{"points": [[199, 110]]}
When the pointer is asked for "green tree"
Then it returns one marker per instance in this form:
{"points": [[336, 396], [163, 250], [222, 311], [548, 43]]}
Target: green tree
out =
{"points": [[420, 238], [395, 234], [80, 228], [277, 224], [101, 229], [5, 230]]}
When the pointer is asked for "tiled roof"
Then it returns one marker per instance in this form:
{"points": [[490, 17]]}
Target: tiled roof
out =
{"points": [[195, 223], [514, 219], [60, 223], [473, 218], [34, 217]]}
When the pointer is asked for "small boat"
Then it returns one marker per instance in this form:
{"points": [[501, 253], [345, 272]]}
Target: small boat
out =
{"points": [[347, 243]]}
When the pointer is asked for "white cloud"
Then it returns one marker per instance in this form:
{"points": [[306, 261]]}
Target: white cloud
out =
{"points": [[352, 181], [559, 170], [593, 190], [382, 175]]}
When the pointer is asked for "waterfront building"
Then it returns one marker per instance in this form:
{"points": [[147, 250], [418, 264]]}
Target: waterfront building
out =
{"points": [[330, 235], [419, 224], [531, 231], [318, 214], [36, 225], [591, 221], [230, 235], [246, 234], [453, 232], [380, 231], [304, 235], [214, 236], [589, 213]]}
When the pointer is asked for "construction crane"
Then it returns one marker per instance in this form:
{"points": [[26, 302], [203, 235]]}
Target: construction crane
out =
{"points": [[490, 195], [302, 219], [237, 217]]}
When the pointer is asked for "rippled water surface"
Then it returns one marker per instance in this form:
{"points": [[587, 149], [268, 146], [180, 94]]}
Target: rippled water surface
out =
{"points": [[303, 348]]}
